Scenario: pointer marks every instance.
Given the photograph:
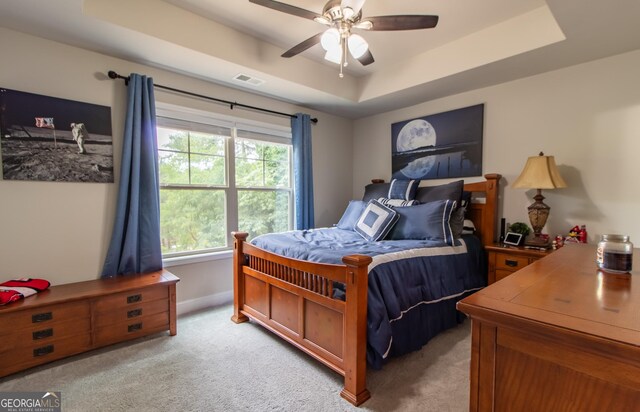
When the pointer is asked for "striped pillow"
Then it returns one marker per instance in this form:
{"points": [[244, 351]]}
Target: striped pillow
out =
{"points": [[403, 189], [397, 202]]}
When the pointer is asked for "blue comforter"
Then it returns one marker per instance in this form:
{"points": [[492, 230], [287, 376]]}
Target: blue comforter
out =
{"points": [[413, 284]]}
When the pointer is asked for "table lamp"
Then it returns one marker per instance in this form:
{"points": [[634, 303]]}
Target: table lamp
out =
{"points": [[539, 173]]}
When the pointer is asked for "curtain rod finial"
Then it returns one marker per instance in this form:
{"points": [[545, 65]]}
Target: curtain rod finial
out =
{"points": [[112, 74]]}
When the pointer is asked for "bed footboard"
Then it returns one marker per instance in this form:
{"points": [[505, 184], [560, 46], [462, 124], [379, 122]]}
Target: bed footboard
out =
{"points": [[294, 299]]}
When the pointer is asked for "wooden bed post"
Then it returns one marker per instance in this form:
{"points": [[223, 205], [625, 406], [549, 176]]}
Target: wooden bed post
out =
{"points": [[238, 284], [355, 339], [491, 208]]}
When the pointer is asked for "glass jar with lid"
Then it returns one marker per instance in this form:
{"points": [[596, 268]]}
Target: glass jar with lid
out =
{"points": [[615, 254]]}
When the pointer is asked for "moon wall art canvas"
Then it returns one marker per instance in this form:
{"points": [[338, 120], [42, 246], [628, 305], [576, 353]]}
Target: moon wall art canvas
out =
{"points": [[443, 145], [46, 138]]}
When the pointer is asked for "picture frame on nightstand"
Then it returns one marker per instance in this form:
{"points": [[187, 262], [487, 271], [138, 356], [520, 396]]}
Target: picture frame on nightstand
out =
{"points": [[512, 239]]}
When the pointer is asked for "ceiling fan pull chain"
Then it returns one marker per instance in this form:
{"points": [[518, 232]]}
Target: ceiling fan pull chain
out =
{"points": [[345, 62]]}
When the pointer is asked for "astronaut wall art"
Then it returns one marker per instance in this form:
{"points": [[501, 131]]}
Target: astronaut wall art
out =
{"points": [[45, 138]]}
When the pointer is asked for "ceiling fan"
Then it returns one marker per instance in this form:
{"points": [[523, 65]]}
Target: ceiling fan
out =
{"points": [[342, 16]]}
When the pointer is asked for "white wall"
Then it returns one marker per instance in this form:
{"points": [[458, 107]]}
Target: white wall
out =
{"points": [[587, 116], [60, 231]]}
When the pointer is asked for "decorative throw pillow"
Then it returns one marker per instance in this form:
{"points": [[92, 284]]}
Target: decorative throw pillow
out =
{"points": [[403, 189], [351, 214], [397, 202], [428, 221], [376, 221], [451, 191], [375, 191]]}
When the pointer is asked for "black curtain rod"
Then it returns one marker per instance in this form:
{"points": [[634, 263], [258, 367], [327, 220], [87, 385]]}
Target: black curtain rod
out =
{"points": [[114, 75]]}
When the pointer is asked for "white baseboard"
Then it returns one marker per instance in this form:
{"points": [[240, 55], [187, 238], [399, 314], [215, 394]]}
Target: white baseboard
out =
{"points": [[204, 302]]}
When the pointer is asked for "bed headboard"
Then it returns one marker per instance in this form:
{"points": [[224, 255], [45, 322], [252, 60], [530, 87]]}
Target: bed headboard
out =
{"points": [[485, 215]]}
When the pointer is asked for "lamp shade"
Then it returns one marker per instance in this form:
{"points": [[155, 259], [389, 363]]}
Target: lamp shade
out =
{"points": [[540, 172]]}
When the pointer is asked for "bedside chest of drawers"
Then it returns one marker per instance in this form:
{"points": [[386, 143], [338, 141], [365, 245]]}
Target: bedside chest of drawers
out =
{"points": [[76, 317], [504, 260]]}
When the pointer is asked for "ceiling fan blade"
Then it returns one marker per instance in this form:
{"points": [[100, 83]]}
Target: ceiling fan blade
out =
{"points": [[366, 59], [402, 22], [354, 5], [286, 8], [300, 47]]}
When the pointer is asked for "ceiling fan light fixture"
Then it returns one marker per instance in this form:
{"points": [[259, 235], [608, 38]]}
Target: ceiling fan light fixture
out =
{"points": [[363, 25], [334, 56], [358, 46], [330, 40], [348, 13], [322, 20]]}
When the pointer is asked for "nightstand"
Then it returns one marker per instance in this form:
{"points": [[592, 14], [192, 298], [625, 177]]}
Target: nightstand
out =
{"points": [[504, 260]]}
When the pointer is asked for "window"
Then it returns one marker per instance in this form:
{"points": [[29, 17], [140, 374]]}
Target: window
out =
{"points": [[218, 175]]}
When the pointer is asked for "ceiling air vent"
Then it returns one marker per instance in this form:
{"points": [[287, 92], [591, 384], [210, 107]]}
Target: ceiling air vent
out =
{"points": [[243, 78]]}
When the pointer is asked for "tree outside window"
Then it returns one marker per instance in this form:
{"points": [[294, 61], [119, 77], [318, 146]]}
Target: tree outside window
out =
{"points": [[197, 175]]}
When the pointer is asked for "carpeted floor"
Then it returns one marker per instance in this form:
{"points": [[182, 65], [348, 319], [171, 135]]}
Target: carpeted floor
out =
{"points": [[216, 365]]}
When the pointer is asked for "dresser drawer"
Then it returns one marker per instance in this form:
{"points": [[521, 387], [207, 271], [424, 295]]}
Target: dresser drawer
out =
{"points": [[132, 329], [28, 356], [43, 334], [131, 313], [510, 262], [130, 299], [40, 318]]}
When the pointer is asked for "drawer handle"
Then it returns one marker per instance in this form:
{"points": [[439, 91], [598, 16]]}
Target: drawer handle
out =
{"points": [[134, 298], [134, 313], [41, 317], [511, 263], [45, 350], [134, 327], [41, 334]]}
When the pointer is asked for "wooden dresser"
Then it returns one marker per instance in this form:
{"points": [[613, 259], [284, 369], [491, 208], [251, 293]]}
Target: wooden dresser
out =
{"points": [[73, 318], [505, 260], [558, 335]]}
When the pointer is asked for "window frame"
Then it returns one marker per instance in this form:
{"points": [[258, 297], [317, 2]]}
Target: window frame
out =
{"points": [[174, 116]]}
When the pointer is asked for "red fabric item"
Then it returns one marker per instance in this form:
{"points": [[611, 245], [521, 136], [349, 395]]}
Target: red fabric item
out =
{"points": [[17, 289]]}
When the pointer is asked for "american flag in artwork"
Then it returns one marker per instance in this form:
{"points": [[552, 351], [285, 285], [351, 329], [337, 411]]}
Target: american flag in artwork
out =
{"points": [[45, 122]]}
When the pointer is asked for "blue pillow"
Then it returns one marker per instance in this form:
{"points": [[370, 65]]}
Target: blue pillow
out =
{"points": [[376, 221], [375, 191], [403, 189], [351, 215], [428, 221], [445, 191]]}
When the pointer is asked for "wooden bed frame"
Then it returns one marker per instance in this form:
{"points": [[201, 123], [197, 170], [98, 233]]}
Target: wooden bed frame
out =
{"points": [[293, 298]]}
